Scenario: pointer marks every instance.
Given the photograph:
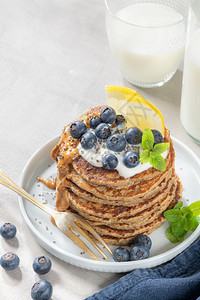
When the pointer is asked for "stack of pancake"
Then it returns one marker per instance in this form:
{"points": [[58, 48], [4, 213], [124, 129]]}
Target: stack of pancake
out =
{"points": [[118, 208]]}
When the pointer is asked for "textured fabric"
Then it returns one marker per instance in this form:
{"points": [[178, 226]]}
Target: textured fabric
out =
{"points": [[54, 64], [179, 279]]}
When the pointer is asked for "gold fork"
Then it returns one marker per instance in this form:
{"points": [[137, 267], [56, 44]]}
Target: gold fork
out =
{"points": [[67, 222]]}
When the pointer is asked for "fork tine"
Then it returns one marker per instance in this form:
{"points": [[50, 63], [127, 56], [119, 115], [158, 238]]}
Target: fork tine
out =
{"points": [[6, 181], [87, 226], [4, 176], [86, 236], [80, 243]]}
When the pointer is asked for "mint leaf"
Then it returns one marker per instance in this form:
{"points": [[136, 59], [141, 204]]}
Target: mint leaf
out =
{"points": [[188, 223], [152, 153], [195, 208], [84, 117], [147, 139], [157, 161], [186, 210], [192, 222], [178, 228], [173, 215], [179, 204], [182, 220], [161, 147], [145, 156], [181, 238], [171, 237]]}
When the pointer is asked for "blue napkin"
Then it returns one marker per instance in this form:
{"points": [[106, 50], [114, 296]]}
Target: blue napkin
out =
{"points": [[179, 279]]}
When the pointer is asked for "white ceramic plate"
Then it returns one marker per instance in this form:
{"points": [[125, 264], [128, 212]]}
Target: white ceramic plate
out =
{"points": [[54, 241]]}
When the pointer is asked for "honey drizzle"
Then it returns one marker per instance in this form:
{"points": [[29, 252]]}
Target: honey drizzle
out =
{"points": [[64, 154], [66, 150], [51, 184]]}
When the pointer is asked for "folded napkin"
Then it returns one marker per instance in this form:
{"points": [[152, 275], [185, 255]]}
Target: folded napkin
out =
{"points": [[179, 279]]}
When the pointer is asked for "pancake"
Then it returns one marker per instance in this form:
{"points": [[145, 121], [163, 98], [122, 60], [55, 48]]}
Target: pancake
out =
{"points": [[144, 217], [136, 214], [125, 237], [122, 241], [101, 176], [118, 208], [128, 197], [114, 211]]}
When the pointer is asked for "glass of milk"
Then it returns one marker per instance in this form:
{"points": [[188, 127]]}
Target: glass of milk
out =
{"points": [[147, 38], [190, 99]]}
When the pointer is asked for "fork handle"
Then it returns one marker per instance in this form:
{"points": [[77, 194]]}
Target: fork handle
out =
{"points": [[6, 181]]}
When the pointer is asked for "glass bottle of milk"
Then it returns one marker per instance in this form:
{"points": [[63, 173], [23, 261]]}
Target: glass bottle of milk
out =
{"points": [[190, 100]]}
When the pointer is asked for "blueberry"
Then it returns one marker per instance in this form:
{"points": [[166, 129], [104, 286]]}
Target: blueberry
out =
{"points": [[116, 143], [103, 131], [41, 290], [88, 140], [9, 261], [138, 252], [143, 240], [41, 265], [95, 121], [8, 231], [158, 138], [133, 135], [110, 161], [120, 120], [121, 254], [131, 159], [108, 114], [77, 129]]}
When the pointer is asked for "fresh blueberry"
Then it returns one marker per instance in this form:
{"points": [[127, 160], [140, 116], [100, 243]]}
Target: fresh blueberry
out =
{"points": [[138, 252], [9, 261], [143, 240], [131, 159], [121, 254], [41, 265], [116, 143], [103, 131], [158, 138], [108, 114], [133, 135], [120, 120], [41, 290], [95, 121], [8, 231], [88, 140], [77, 129], [110, 161]]}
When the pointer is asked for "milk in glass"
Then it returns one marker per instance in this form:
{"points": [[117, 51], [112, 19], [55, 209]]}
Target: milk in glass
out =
{"points": [[147, 42]]}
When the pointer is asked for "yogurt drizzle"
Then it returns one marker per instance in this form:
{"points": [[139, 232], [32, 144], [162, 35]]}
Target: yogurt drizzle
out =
{"points": [[95, 155]]}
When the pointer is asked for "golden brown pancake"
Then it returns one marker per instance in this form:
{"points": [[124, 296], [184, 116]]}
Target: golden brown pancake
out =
{"points": [[101, 176], [118, 208], [109, 215], [129, 196]]}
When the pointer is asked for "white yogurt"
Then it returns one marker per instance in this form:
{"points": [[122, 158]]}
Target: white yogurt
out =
{"points": [[96, 158]]}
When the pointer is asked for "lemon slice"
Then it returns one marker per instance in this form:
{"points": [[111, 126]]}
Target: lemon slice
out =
{"points": [[137, 111]]}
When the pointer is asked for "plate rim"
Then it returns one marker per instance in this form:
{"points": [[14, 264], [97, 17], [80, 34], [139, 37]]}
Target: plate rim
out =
{"points": [[87, 263]]}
